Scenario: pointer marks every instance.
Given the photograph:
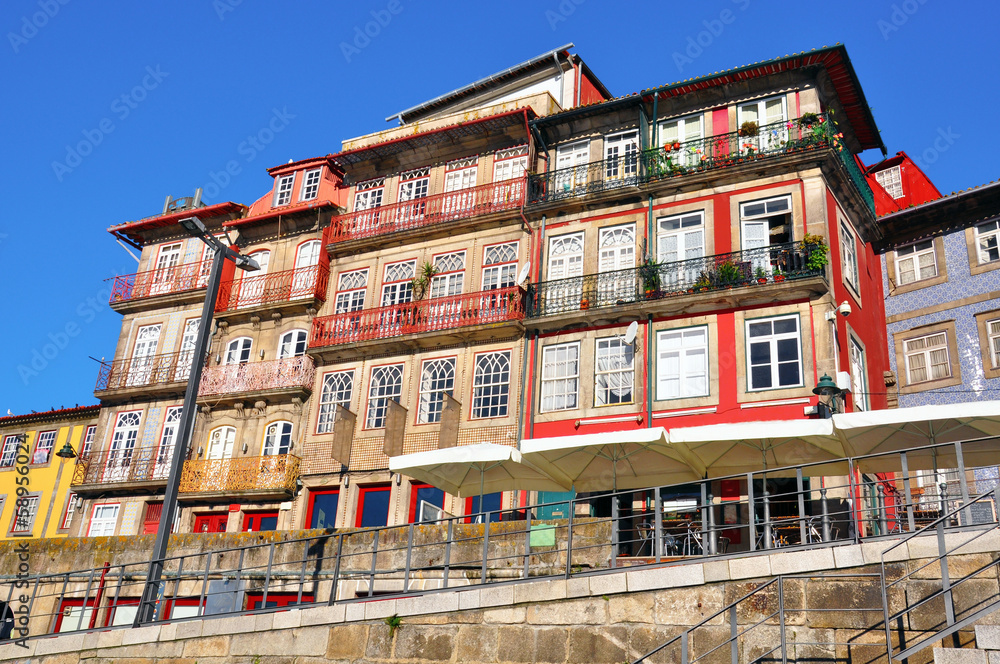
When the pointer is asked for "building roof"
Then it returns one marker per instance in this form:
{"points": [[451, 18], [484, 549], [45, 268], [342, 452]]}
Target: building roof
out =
{"points": [[955, 211], [277, 212], [74, 413], [133, 230], [833, 58], [539, 62]]}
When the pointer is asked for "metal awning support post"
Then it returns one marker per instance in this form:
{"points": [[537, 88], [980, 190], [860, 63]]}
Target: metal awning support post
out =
{"points": [[150, 595]]}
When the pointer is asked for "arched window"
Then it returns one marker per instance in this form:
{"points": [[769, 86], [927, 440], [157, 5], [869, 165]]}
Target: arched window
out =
{"points": [[436, 380], [238, 351], [278, 438], [221, 442], [292, 344]]}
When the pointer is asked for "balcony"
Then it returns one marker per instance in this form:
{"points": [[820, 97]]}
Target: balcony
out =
{"points": [[475, 315], [765, 274], [289, 375], [432, 211], [260, 477], [129, 288], [689, 158], [122, 470], [302, 288], [149, 374]]}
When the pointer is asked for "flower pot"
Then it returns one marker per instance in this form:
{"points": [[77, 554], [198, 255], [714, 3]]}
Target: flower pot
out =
{"points": [[677, 145], [778, 278], [761, 280], [585, 303]]}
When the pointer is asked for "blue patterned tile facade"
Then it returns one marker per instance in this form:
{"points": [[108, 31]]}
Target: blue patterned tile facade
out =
{"points": [[961, 284]]}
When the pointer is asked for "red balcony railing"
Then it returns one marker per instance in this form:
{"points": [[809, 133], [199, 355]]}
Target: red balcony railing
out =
{"points": [[160, 282], [143, 464], [253, 291], [145, 371], [442, 313], [257, 376], [462, 204]]}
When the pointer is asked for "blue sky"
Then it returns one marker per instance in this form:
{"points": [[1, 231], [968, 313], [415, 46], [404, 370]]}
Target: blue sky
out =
{"points": [[110, 107]]}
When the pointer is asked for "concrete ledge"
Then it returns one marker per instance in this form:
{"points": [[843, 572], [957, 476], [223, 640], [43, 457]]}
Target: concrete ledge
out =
{"points": [[665, 577], [959, 656], [68, 643], [795, 562], [749, 567], [322, 615], [988, 637]]}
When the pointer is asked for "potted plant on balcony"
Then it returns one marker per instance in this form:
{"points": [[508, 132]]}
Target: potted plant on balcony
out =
{"points": [[704, 282], [761, 275], [727, 274], [779, 276], [815, 249], [422, 281], [748, 129], [807, 120], [649, 273]]}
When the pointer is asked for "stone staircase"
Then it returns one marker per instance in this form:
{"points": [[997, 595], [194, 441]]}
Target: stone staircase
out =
{"points": [[987, 650]]}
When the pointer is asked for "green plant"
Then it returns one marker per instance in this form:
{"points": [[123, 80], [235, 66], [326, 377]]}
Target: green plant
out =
{"points": [[649, 272], [422, 281], [816, 250], [777, 271], [808, 119], [703, 281], [394, 622], [727, 273], [760, 273], [749, 128]]}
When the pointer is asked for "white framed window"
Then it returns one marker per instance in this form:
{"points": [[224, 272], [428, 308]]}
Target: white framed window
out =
{"points": [[88, 441], [147, 339], [770, 116], [168, 437], [292, 344], [186, 355], [849, 251], [307, 254], [414, 184], [560, 376], [368, 195], [386, 384], [680, 237], [238, 351], [566, 256], [774, 353], [397, 284], [8, 455], [461, 174], [987, 236], [499, 266], [310, 184], [103, 519], [571, 164], [915, 262], [220, 443], [491, 385], [68, 512], [25, 510], [766, 222], [891, 181], [685, 131], [613, 371], [682, 363], [351, 287], [510, 164], [337, 390], [43, 447], [927, 358], [621, 155], [993, 335], [122, 445], [283, 190], [277, 438], [859, 375], [450, 275], [437, 378]]}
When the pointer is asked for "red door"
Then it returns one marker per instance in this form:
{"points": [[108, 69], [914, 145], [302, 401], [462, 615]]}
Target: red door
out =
{"points": [[210, 523], [152, 521]]}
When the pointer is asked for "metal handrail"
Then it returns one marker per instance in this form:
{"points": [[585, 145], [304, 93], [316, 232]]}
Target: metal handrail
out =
{"points": [[258, 376], [161, 281], [145, 371], [255, 290]]}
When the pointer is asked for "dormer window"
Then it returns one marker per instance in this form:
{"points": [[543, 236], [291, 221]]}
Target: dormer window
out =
{"points": [[890, 180], [283, 190], [310, 185]]}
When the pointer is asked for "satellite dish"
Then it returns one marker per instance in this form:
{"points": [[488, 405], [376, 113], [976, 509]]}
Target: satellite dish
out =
{"points": [[523, 274], [630, 333]]}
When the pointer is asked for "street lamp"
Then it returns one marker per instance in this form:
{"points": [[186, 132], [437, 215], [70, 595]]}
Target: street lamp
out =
{"points": [[828, 389], [67, 452], [150, 594]]}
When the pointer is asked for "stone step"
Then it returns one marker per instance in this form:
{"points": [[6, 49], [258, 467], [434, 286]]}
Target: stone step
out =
{"points": [[960, 656], [988, 637]]}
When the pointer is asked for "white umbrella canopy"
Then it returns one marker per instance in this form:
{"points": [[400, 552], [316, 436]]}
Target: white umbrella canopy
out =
{"points": [[472, 470], [727, 449], [898, 429], [630, 459]]}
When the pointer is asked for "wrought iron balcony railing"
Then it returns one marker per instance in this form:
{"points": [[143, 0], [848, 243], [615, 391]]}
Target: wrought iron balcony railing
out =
{"points": [[264, 473], [302, 283], [163, 281], [146, 371], [750, 267], [441, 313], [125, 466], [404, 215], [682, 158], [257, 376]]}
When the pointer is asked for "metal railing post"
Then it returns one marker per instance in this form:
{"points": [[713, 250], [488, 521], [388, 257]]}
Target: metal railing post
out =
{"points": [[852, 491], [713, 535], [781, 620], [734, 646], [203, 599], [302, 574], [486, 545], [86, 598], [883, 521], [826, 514], [684, 647], [800, 488], [768, 533], [371, 576], [751, 513], [527, 542], [614, 530], [657, 524], [949, 604], [336, 570], [569, 538], [907, 492], [267, 576], [447, 552], [409, 559], [963, 483], [705, 509]]}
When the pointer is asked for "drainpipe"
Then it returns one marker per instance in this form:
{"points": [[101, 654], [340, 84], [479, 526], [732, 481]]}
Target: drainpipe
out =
{"points": [[531, 409], [555, 58], [649, 228], [524, 389], [656, 100], [579, 78], [649, 371]]}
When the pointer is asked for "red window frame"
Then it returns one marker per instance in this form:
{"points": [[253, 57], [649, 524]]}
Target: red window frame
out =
{"points": [[210, 517], [254, 518], [69, 603], [283, 599], [38, 439], [362, 493], [312, 500], [70, 502], [414, 488], [149, 526]]}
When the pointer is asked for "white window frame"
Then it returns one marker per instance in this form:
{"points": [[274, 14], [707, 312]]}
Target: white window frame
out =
{"points": [[310, 184], [620, 376], [689, 238], [621, 155], [8, 457], [277, 438], [925, 353], [437, 378], [22, 522], [221, 443], [105, 521], [682, 133], [912, 253], [500, 270], [293, 344], [560, 377], [50, 444], [773, 340], [350, 299], [510, 164], [859, 374], [88, 440], [238, 351], [692, 343], [988, 241], [993, 339], [891, 180], [399, 291], [849, 254], [283, 190], [446, 283], [337, 390], [490, 389], [765, 139], [381, 392], [571, 165], [68, 512]]}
